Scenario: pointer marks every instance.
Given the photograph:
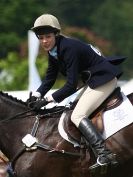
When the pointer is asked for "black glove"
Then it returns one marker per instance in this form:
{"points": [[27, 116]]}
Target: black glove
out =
{"points": [[40, 103], [31, 100]]}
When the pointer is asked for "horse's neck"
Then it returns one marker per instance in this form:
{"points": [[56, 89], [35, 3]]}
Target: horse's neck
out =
{"points": [[13, 131], [10, 107], [16, 129]]}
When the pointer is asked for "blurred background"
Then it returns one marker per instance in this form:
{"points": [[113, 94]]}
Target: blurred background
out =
{"points": [[106, 24]]}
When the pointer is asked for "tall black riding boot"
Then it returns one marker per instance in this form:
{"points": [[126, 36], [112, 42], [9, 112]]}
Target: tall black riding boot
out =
{"points": [[104, 156]]}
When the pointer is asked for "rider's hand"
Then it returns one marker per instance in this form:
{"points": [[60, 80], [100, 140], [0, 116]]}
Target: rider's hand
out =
{"points": [[32, 99], [39, 104]]}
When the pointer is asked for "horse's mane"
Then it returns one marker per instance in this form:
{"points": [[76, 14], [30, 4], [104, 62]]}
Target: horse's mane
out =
{"points": [[12, 98]]}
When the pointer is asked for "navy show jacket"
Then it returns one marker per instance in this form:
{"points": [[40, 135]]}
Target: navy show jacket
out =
{"points": [[74, 57]]}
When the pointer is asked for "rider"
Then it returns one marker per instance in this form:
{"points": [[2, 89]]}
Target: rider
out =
{"points": [[71, 57]]}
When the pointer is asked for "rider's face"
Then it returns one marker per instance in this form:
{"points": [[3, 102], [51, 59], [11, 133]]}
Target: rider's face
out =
{"points": [[47, 41]]}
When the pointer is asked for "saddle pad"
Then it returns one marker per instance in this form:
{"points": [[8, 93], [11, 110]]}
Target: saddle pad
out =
{"points": [[62, 131], [117, 118]]}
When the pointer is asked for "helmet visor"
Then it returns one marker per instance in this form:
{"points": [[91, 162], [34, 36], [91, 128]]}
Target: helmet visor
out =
{"points": [[44, 30]]}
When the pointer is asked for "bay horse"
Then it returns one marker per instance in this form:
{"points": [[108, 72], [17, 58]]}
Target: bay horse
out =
{"points": [[51, 155]]}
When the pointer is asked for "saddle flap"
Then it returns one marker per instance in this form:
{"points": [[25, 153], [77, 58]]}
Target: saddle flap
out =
{"points": [[113, 101], [71, 130]]}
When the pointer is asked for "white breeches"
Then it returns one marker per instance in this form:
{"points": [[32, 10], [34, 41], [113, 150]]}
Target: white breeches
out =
{"points": [[90, 99]]}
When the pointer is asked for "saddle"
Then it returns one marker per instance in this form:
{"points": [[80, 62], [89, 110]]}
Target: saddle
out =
{"points": [[114, 100]]}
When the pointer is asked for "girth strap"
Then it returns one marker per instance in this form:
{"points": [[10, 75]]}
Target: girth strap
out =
{"points": [[50, 149]]}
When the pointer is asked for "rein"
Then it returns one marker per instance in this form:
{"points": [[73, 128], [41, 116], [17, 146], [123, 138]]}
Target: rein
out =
{"points": [[30, 110], [48, 114], [17, 116]]}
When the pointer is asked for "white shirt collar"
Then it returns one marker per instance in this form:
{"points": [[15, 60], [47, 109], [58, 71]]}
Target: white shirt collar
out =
{"points": [[53, 52]]}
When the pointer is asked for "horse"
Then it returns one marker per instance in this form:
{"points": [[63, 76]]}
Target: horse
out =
{"points": [[64, 162], [50, 155]]}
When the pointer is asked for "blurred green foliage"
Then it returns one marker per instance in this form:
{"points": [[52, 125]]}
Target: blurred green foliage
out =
{"points": [[106, 24], [114, 22], [14, 72]]}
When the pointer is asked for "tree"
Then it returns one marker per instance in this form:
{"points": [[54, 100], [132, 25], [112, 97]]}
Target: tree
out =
{"points": [[16, 19], [114, 21], [76, 12], [109, 19]]}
